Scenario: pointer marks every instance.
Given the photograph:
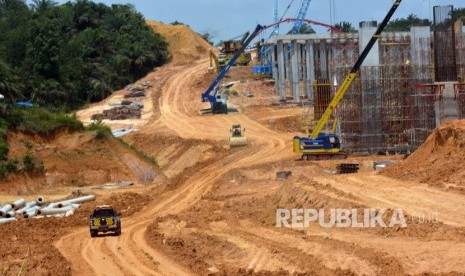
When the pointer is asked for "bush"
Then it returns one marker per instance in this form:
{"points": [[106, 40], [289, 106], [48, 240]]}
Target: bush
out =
{"points": [[98, 125], [40, 120]]}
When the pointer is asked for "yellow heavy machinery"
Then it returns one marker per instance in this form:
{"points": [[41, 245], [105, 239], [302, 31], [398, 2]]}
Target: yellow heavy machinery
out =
{"points": [[214, 64], [319, 145], [237, 137]]}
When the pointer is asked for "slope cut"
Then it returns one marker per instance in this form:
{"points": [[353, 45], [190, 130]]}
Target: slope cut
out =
{"points": [[185, 45], [440, 160]]}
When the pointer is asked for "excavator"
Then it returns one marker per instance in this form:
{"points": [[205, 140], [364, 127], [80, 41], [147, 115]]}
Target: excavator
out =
{"points": [[320, 145], [219, 102], [214, 65]]}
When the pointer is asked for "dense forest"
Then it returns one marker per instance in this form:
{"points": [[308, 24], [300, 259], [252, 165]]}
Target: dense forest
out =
{"points": [[63, 56]]}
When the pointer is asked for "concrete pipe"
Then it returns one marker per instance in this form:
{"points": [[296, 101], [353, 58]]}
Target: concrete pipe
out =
{"points": [[5, 209], [5, 220], [67, 204], [78, 200], [70, 213], [27, 206], [40, 200], [18, 203], [28, 210], [10, 214], [30, 214], [53, 211]]}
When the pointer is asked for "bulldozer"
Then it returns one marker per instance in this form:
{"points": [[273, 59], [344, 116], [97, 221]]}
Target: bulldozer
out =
{"points": [[237, 137]]}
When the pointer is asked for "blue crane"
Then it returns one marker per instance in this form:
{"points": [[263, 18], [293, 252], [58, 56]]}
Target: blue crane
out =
{"points": [[300, 16], [217, 102]]}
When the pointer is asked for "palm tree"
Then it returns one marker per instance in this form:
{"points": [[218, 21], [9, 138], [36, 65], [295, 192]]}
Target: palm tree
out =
{"points": [[40, 6], [345, 27]]}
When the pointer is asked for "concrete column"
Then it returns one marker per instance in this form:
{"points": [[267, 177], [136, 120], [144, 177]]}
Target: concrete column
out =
{"points": [[367, 29], [281, 71], [294, 81], [420, 53], [310, 72], [274, 68]]}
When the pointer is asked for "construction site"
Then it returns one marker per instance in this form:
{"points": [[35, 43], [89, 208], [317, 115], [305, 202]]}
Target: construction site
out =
{"points": [[206, 156]]}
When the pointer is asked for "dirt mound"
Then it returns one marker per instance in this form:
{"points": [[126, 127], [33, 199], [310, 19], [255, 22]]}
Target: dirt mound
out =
{"points": [[73, 159], [185, 45], [439, 160]]}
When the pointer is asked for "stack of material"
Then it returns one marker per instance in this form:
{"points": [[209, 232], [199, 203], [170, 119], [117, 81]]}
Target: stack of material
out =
{"points": [[119, 113], [347, 168], [135, 94], [39, 209], [137, 90]]}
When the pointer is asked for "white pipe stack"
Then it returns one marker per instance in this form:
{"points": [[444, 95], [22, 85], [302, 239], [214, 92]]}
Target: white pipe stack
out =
{"points": [[18, 203], [40, 200], [37, 208], [30, 214], [53, 211], [10, 214], [27, 206], [29, 210], [77, 200], [5, 209]]}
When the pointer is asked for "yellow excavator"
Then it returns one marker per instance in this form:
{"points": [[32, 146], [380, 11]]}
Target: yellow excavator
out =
{"points": [[319, 145], [214, 64]]}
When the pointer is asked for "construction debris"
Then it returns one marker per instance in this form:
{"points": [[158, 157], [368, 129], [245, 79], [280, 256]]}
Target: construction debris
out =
{"points": [[119, 113], [283, 175], [122, 131], [379, 165], [347, 168]]}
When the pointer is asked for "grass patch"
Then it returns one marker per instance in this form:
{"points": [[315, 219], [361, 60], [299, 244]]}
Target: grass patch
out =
{"points": [[40, 120], [140, 154]]}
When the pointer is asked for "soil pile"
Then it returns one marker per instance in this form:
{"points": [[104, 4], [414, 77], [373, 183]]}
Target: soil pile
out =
{"points": [[440, 160], [185, 45]]}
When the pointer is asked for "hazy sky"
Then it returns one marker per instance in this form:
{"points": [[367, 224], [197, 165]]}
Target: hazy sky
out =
{"points": [[231, 18]]}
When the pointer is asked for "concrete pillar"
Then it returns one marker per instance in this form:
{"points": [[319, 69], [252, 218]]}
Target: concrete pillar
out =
{"points": [[367, 29], [281, 71], [294, 80], [310, 69], [420, 53], [274, 67]]}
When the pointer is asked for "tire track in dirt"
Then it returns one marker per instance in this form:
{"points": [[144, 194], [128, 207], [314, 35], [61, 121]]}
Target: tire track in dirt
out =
{"points": [[130, 252]]}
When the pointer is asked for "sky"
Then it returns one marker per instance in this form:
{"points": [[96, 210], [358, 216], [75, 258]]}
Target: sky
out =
{"points": [[231, 18]]}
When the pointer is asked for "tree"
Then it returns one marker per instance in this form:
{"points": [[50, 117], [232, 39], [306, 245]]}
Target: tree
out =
{"points": [[404, 24], [459, 13], [40, 6], [345, 27], [208, 35], [70, 54], [304, 29], [10, 86]]}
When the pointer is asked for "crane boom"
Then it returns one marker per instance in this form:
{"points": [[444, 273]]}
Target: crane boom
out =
{"points": [[217, 105], [300, 16], [321, 145], [353, 73]]}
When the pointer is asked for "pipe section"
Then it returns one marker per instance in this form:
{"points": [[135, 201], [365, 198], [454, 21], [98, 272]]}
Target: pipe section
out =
{"points": [[18, 203], [5, 209]]}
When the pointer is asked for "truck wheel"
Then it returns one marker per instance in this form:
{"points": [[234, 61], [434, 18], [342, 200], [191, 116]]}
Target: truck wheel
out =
{"points": [[93, 233], [118, 231]]}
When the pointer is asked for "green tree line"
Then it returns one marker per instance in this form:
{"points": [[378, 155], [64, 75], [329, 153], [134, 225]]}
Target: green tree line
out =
{"points": [[71, 54]]}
